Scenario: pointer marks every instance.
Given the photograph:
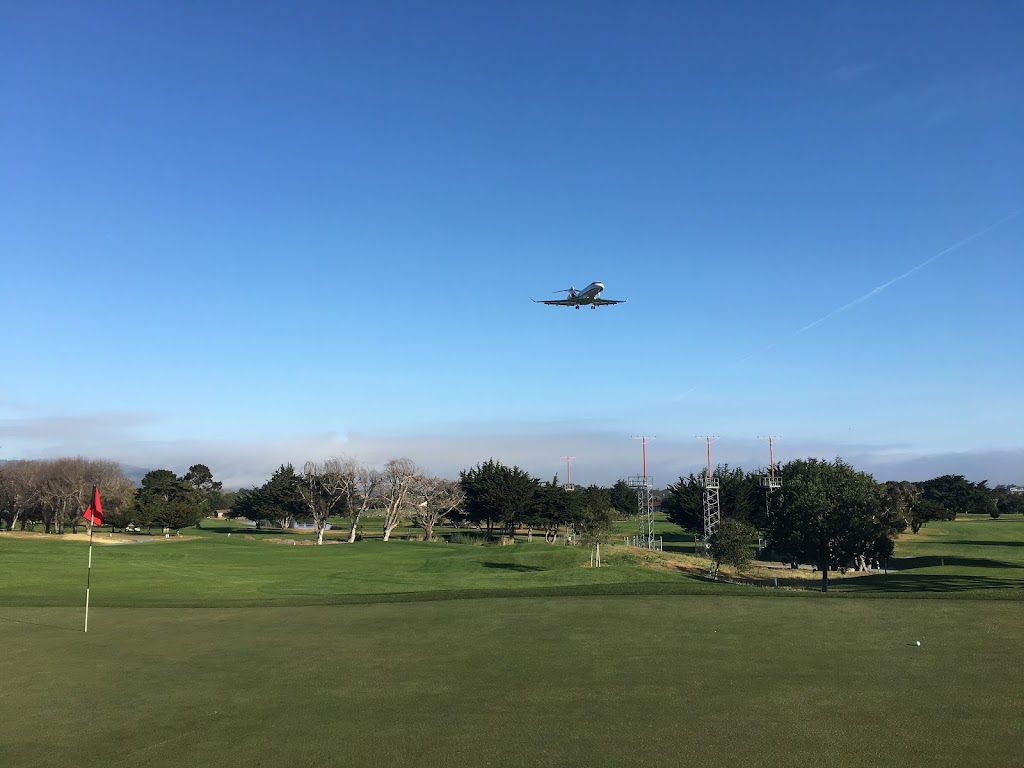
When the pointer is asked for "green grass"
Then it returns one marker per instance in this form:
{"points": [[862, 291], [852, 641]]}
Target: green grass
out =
{"points": [[612, 681], [225, 571], [672, 537], [236, 651], [975, 554]]}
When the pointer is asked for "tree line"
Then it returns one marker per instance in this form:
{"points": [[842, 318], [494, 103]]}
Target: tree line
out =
{"points": [[827, 513], [506, 499], [54, 493], [494, 498], [348, 488]]}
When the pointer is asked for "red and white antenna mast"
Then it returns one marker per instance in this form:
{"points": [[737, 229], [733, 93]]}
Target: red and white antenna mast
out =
{"points": [[710, 439], [770, 481], [568, 472], [643, 442], [644, 499]]}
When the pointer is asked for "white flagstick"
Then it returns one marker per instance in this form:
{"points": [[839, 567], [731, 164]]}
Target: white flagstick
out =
{"points": [[88, 577]]}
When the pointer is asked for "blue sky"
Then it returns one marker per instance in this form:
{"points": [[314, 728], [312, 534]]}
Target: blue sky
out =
{"points": [[248, 233]]}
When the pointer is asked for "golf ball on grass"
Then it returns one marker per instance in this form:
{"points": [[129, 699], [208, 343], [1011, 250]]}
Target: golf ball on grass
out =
{"points": [[917, 642]]}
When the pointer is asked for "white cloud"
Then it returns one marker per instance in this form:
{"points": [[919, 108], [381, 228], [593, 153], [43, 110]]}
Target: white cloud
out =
{"points": [[84, 426], [601, 456], [999, 467]]}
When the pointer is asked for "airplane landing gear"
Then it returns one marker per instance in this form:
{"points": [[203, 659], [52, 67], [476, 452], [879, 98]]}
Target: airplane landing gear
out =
{"points": [[577, 306], [593, 306]]}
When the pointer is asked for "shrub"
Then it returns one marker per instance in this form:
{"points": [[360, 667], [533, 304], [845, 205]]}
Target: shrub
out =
{"points": [[730, 545]]}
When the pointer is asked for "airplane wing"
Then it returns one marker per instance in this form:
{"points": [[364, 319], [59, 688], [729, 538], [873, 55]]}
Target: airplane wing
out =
{"points": [[557, 302], [603, 302]]}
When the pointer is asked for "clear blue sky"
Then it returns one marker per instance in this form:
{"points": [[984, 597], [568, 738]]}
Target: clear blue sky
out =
{"points": [[246, 233]]}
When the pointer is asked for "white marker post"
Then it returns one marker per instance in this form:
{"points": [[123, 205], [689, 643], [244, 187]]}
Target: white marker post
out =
{"points": [[93, 516], [88, 578]]}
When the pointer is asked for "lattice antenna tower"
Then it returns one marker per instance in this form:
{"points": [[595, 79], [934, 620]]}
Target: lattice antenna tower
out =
{"points": [[712, 505], [568, 473], [644, 499], [771, 482]]}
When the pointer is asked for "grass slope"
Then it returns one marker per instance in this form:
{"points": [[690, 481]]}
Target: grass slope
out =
{"points": [[226, 571], [971, 558]]}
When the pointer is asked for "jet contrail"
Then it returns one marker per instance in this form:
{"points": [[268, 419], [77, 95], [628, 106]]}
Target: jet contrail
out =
{"points": [[875, 291]]}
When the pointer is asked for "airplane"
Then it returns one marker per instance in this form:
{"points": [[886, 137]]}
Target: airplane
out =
{"points": [[590, 295]]}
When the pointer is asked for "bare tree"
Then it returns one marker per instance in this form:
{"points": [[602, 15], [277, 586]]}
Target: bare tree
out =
{"points": [[10, 503], [58, 490], [19, 491], [61, 491], [324, 489], [116, 489], [362, 484], [396, 480], [437, 499]]}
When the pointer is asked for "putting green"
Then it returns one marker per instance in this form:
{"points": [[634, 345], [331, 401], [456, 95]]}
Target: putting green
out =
{"points": [[689, 680]]}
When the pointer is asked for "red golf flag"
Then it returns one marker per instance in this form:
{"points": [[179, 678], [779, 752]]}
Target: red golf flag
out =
{"points": [[94, 512]]}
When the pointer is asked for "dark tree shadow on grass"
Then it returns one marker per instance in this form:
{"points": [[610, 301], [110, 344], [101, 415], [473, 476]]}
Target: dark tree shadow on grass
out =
{"points": [[939, 561], [919, 582], [677, 542], [988, 543], [514, 567]]}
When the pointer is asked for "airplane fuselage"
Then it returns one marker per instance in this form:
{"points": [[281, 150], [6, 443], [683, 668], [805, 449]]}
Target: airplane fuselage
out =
{"points": [[588, 294]]}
